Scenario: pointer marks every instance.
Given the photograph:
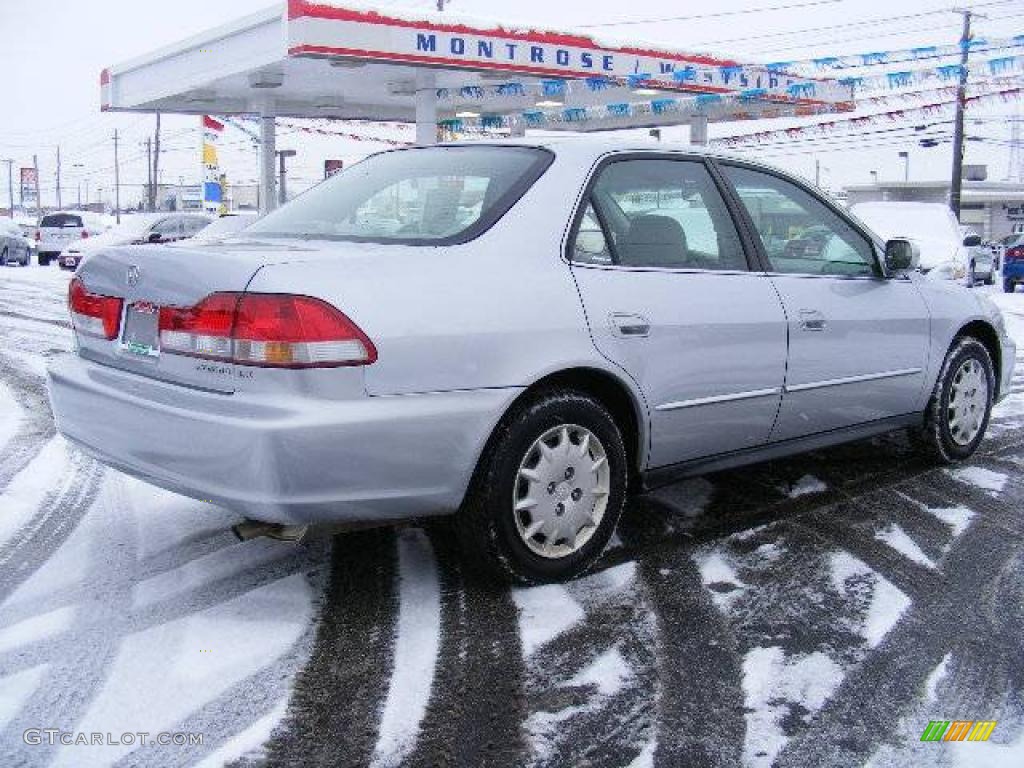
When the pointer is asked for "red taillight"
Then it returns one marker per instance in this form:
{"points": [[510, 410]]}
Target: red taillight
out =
{"points": [[39, 235], [85, 233], [93, 314], [266, 330], [1017, 252]]}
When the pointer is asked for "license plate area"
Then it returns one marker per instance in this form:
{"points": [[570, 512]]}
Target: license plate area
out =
{"points": [[141, 334]]}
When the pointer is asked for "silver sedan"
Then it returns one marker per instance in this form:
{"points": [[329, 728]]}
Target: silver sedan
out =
{"points": [[516, 334]]}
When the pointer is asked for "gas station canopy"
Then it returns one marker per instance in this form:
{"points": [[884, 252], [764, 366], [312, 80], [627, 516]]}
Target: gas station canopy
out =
{"points": [[309, 60]]}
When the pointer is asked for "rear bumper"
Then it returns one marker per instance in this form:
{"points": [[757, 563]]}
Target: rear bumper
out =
{"points": [[293, 460]]}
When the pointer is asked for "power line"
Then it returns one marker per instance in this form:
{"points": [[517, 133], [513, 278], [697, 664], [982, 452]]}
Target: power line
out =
{"points": [[719, 14]]}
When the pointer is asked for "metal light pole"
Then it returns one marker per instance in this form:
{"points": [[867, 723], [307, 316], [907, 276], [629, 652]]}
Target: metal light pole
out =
{"points": [[905, 156], [282, 191]]}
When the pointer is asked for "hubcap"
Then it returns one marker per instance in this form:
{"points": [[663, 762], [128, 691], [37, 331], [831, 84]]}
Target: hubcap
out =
{"points": [[561, 491], [968, 400]]}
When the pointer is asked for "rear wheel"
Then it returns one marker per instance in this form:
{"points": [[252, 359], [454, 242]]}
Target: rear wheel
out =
{"points": [[548, 493], [3, 258], [1009, 286], [961, 403], [44, 261]]}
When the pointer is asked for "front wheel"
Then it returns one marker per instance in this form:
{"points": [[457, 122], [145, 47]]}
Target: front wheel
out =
{"points": [[961, 403], [548, 493]]}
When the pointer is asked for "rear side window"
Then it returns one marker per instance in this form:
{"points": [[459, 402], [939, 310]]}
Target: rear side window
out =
{"points": [[61, 220], [429, 196], [658, 213]]}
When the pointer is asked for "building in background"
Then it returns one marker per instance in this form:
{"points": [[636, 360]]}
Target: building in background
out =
{"points": [[993, 209]]}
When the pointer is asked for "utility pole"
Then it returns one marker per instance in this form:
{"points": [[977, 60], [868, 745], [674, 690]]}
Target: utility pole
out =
{"points": [[956, 183], [440, 5], [149, 174], [10, 185], [905, 156], [156, 162], [39, 200], [117, 182], [60, 203], [817, 172]]}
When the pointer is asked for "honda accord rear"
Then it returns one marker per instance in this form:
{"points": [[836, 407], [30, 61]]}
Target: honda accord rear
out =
{"points": [[305, 372]]}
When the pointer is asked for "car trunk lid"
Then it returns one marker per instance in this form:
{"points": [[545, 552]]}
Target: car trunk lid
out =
{"points": [[149, 277]]}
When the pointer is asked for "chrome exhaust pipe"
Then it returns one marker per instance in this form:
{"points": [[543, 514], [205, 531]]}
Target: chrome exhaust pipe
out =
{"points": [[254, 529]]}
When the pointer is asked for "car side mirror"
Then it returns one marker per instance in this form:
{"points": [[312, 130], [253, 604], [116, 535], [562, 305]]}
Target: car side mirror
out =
{"points": [[154, 237], [972, 240], [901, 256]]}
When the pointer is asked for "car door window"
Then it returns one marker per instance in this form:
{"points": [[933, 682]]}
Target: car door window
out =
{"points": [[658, 213], [168, 229], [193, 224], [800, 233]]}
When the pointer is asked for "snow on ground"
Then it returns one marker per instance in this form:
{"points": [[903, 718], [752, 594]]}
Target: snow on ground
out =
{"points": [[980, 477], [126, 608], [885, 603], [898, 539], [30, 488], [772, 683], [416, 646], [805, 485], [544, 613], [607, 673], [10, 414]]}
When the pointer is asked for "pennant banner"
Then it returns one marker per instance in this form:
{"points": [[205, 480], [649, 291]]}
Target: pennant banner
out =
{"points": [[874, 58], [926, 110]]}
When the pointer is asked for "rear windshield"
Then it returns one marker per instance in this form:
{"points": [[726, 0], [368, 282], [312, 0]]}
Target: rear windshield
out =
{"points": [[61, 220], [430, 195]]}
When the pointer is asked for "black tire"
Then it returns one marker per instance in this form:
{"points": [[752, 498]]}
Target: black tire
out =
{"points": [[1009, 286], [486, 525], [936, 438], [991, 279], [972, 277], [44, 261], [3, 258]]}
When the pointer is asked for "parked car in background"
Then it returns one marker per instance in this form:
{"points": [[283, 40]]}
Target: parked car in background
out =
{"points": [[224, 226], [13, 247], [1013, 262], [137, 229], [59, 230], [514, 333], [982, 260], [945, 252]]}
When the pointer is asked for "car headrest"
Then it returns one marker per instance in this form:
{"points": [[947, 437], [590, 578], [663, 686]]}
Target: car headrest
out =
{"points": [[653, 241]]}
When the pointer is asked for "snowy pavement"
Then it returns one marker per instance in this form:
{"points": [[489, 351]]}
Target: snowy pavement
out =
{"points": [[815, 611]]}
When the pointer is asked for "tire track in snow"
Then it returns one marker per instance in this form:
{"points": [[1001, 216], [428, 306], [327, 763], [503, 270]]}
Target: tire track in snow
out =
{"points": [[37, 423], [477, 705], [332, 718], [870, 701]]}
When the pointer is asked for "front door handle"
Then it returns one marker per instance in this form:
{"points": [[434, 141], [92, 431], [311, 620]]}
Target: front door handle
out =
{"points": [[812, 320], [629, 325]]}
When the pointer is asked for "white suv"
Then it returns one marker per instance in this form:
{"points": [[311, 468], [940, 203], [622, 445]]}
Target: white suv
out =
{"points": [[58, 230]]}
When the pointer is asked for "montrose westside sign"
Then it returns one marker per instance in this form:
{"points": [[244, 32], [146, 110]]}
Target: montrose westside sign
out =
{"points": [[325, 30]]}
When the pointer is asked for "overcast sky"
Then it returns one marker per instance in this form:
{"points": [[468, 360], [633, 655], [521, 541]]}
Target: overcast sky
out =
{"points": [[51, 53]]}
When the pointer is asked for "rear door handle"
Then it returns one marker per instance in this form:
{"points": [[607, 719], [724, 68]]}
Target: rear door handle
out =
{"points": [[629, 325], [812, 320]]}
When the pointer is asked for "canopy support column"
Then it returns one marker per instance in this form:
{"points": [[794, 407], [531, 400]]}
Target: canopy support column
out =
{"points": [[426, 107], [268, 148], [699, 130]]}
